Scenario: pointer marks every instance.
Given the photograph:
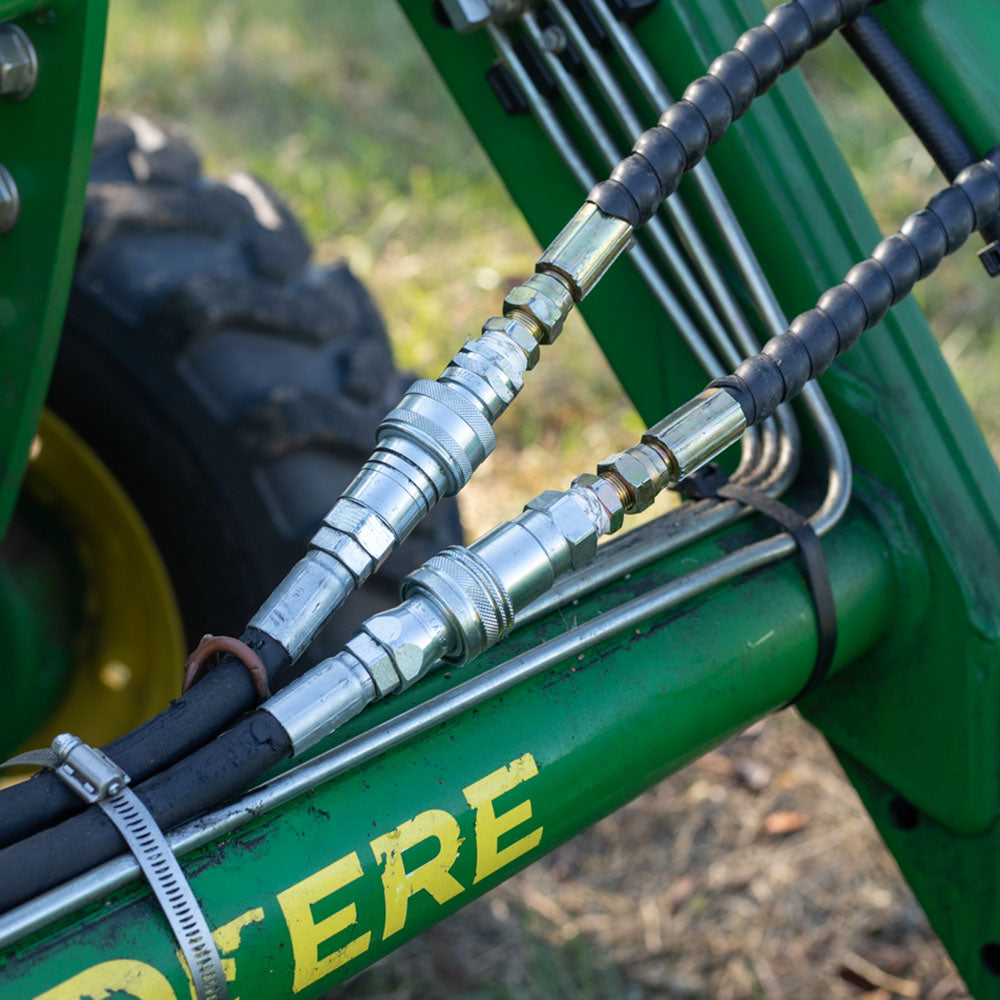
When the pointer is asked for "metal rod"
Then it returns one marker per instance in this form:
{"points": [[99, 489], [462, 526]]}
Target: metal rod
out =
{"points": [[786, 457], [585, 177]]}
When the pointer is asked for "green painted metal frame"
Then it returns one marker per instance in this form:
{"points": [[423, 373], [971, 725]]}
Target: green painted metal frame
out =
{"points": [[598, 730], [45, 142], [912, 709]]}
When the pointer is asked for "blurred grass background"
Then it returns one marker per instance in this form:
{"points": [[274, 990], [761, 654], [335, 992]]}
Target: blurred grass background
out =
{"points": [[336, 106]]}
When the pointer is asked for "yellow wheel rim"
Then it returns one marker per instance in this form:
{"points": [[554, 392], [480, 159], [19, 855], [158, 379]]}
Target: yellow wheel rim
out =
{"points": [[131, 649]]}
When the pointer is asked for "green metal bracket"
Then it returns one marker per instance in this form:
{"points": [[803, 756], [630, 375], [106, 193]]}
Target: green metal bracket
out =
{"points": [[45, 142]]}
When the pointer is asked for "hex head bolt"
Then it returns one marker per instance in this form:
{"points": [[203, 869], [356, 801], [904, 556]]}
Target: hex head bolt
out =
{"points": [[18, 63], [10, 201]]}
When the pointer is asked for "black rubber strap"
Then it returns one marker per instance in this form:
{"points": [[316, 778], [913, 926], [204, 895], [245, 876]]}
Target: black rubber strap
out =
{"points": [[711, 482]]}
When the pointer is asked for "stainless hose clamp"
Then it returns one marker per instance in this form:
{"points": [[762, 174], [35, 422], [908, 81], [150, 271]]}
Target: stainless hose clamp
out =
{"points": [[99, 780]]}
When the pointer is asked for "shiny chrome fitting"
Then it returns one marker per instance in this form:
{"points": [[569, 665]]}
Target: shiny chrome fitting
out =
{"points": [[401, 480], [18, 63], [447, 424], [364, 526], [607, 496], [589, 244], [297, 608], [316, 704], [639, 474], [414, 634], [520, 331], [10, 201], [481, 357], [468, 15], [479, 389], [523, 557], [471, 598], [377, 660], [498, 348], [573, 522], [346, 551], [546, 298], [697, 431]]}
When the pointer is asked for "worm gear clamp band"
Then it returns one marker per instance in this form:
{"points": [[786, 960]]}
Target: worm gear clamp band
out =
{"points": [[98, 780]]}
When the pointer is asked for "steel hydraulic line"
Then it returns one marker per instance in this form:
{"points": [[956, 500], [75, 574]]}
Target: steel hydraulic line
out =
{"points": [[441, 431], [464, 600], [728, 353], [368, 746], [97, 883], [755, 467], [782, 438], [631, 553], [458, 604], [92, 885], [752, 459], [607, 568]]}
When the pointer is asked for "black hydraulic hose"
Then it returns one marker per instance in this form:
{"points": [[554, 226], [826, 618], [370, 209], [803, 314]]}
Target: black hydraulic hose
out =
{"points": [[914, 100], [186, 724], [652, 171], [759, 385], [206, 777], [816, 337]]}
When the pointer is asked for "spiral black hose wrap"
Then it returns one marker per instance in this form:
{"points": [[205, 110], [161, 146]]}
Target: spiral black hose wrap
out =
{"points": [[815, 338], [662, 154]]}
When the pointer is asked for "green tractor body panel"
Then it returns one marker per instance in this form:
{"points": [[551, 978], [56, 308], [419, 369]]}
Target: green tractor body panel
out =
{"points": [[311, 892], [47, 138]]}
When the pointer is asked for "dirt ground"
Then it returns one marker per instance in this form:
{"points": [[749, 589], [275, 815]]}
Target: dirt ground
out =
{"points": [[753, 873]]}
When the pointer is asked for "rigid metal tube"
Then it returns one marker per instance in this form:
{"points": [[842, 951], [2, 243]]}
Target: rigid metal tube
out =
{"points": [[728, 226], [561, 141], [786, 459], [658, 234], [731, 231], [656, 231]]}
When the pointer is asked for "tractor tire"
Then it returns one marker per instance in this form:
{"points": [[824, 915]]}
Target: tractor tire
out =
{"points": [[232, 387]]}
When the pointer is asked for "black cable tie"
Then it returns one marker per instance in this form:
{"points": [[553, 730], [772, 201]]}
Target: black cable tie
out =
{"points": [[710, 482]]}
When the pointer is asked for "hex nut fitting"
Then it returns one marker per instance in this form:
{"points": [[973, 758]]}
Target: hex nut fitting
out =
{"points": [[607, 496], [571, 521], [407, 655], [627, 471], [18, 63], [546, 299], [519, 332], [375, 658]]}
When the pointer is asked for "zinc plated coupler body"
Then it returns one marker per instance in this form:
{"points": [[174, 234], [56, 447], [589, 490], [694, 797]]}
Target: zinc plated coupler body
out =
{"points": [[441, 431], [464, 600]]}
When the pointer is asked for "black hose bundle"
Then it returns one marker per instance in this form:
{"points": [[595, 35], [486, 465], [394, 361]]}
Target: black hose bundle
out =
{"points": [[186, 724]]}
